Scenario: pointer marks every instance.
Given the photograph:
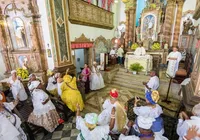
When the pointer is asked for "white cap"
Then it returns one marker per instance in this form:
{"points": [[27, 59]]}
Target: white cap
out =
{"points": [[1, 97], [145, 122], [13, 71], [91, 118]]}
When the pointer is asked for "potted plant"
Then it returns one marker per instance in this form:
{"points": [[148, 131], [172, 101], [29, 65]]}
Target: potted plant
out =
{"points": [[156, 46], [23, 73], [136, 67]]}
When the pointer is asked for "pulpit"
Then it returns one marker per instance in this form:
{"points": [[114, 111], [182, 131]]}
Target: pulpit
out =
{"points": [[145, 61]]}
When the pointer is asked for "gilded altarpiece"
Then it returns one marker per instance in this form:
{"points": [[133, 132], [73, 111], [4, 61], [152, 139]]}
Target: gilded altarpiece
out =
{"points": [[21, 39], [80, 12], [59, 33]]}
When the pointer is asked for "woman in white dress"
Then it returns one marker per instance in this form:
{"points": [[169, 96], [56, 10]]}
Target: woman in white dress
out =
{"points": [[10, 128], [96, 79], [44, 112], [17, 87], [90, 130], [152, 109]]}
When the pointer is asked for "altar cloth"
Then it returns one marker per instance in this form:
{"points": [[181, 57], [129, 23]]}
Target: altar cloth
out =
{"points": [[145, 61]]}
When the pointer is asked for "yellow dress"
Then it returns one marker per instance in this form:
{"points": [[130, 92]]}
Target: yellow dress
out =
{"points": [[71, 96]]}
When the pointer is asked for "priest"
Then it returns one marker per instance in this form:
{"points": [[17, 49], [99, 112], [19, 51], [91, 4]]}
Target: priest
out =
{"points": [[173, 58], [140, 51]]}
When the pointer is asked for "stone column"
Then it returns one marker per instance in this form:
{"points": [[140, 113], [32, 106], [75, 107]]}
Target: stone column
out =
{"points": [[132, 24], [178, 22], [169, 18]]}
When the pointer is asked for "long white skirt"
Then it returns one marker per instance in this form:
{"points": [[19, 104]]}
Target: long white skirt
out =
{"points": [[96, 81]]}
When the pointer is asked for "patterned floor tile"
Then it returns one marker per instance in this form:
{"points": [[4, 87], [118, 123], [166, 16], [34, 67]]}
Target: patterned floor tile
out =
{"points": [[57, 135], [66, 133], [67, 126], [74, 132], [66, 138]]}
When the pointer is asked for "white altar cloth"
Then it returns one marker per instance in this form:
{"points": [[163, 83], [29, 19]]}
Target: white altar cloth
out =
{"points": [[145, 61]]}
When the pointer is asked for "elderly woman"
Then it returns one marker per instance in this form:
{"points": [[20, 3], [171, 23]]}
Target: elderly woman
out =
{"points": [[185, 122], [10, 123], [44, 112], [96, 79], [144, 126], [52, 83], [17, 87], [152, 109], [71, 96], [120, 115], [90, 130]]}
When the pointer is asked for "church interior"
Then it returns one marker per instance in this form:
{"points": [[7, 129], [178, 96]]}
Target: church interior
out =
{"points": [[99, 69]]}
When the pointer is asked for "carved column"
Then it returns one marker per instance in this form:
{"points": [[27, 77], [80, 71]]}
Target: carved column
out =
{"points": [[3, 41], [132, 24], [127, 25], [169, 18], [178, 22]]}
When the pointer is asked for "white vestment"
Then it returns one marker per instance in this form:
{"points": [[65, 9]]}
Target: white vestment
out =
{"points": [[183, 126], [50, 85], [59, 88], [96, 79], [112, 52], [38, 97], [18, 89], [98, 133], [173, 64], [133, 137], [105, 116], [153, 83], [10, 128], [140, 51]]}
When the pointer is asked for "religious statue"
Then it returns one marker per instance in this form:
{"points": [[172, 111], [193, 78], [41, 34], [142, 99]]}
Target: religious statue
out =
{"points": [[187, 25]]}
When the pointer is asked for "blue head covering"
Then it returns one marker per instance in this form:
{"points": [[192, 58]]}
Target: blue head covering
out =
{"points": [[149, 97]]}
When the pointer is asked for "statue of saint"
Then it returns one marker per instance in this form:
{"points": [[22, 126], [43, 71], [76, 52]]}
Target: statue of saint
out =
{"points": [[187, 25]]}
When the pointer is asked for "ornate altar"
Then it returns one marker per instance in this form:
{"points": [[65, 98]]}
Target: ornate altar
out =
{"points": [[145, 61], [21, 38], [163, 54]]}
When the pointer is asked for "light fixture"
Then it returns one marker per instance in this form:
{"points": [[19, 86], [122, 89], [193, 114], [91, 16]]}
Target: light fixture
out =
{"points": [[116, 41]]}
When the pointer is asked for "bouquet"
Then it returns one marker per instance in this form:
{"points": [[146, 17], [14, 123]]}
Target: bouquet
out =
{"points": [[156, 46], [23, 73], [134, 46]]}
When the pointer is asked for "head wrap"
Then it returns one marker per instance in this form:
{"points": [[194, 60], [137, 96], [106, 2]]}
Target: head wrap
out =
{"points": [[152, 96], [34, 84], [114, 93], [57, 75], [94, 63], [49, 72], [196, 110], [145, 122], [1, 97], [91, 120], [13, 71]]}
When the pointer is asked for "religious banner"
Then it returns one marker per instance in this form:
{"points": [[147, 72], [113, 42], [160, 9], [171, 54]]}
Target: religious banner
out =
{"points": [[81, 45]]}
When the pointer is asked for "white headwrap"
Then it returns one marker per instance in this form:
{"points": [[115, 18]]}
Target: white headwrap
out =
{"points": [[145, 122], [57, 75], [94, 63], [1, 97], [196, 110], [34, 84], [13, 71], [91, 118]]}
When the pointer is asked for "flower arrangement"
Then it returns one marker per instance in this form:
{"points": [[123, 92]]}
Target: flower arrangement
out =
{"points": [[136, 67], [156, 46], [23, 73], [134, 46], [125, 1]]}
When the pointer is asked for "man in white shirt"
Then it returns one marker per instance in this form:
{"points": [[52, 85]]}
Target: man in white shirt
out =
{"points": [[153, 83], [185, 123], [140, 51], [113, 56], [173, 58], [120, 53]]}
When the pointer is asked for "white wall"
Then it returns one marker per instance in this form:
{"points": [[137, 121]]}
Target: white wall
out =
{"points": [[189, 5], [122, 13], [45, 29]]}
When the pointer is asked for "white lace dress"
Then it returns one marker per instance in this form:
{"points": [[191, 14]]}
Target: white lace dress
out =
{"points": [[96, 79], [10, 128]]}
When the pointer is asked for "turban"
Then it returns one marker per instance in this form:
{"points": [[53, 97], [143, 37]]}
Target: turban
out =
{"points": [[114, 93], [145, 122], [94, 63], [91, 120], [57, 75], [34, 84], [152, 96], [13, 71]]}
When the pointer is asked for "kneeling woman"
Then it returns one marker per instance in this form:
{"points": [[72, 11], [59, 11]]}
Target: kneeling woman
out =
{"points": [[71, 96], [44, 112]]}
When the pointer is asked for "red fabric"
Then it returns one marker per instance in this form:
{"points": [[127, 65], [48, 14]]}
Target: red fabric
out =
{"points": [[198, 44], [109, 3], [104, 4], [114, 93], [81, 45], [89, 1]]}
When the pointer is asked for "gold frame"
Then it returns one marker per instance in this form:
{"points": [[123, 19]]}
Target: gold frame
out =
{"points": [[55, 33]]}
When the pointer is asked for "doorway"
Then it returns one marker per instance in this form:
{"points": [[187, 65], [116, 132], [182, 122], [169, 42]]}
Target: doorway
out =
{"points": [[81, 57]]}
